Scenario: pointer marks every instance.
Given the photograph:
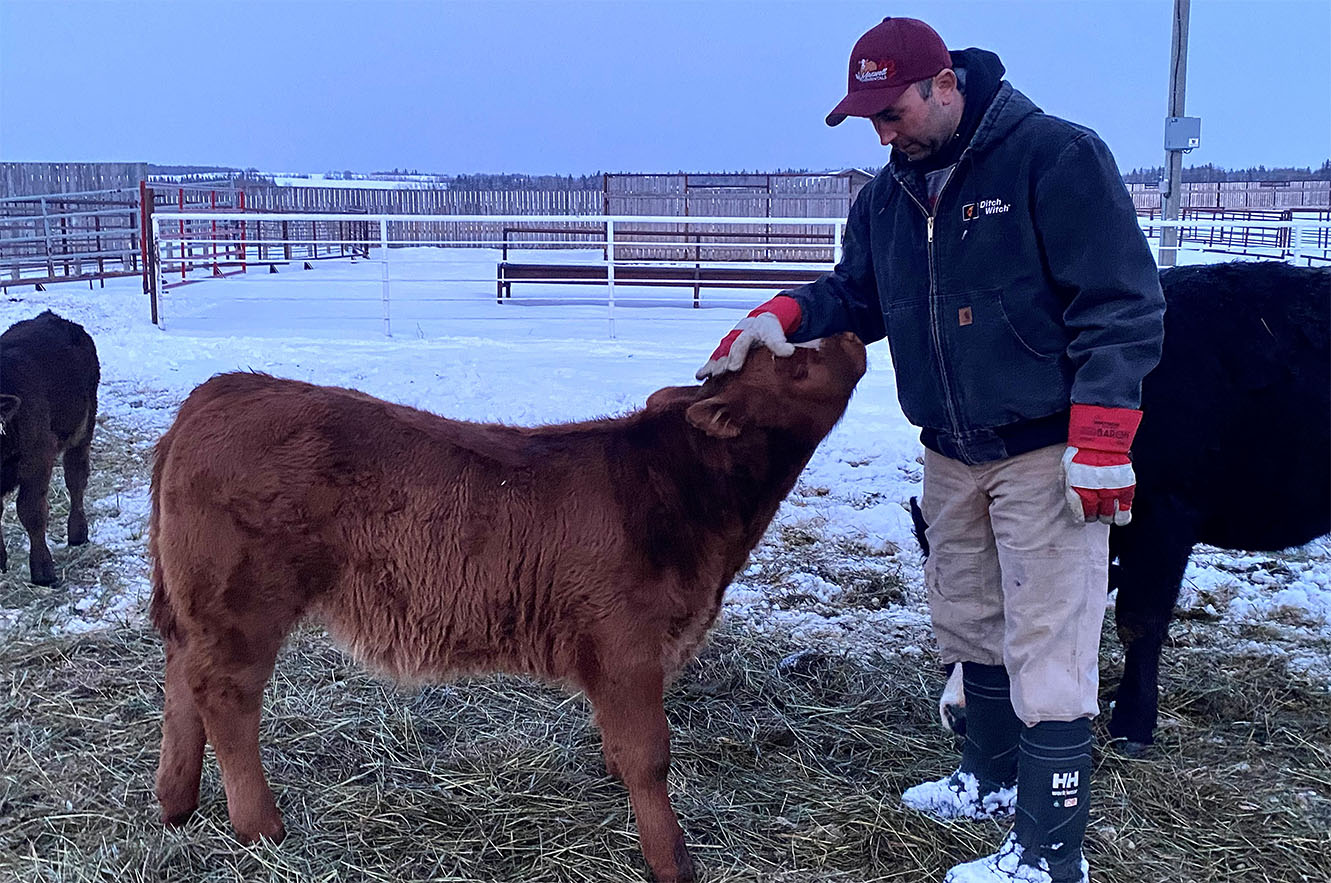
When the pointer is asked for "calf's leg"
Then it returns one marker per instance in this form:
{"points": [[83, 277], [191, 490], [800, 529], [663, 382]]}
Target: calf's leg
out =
{"points": [[227, 687], [8, 481], [1151, 566], [181, 762], [631, 716], [77, 467], [33, 511]]}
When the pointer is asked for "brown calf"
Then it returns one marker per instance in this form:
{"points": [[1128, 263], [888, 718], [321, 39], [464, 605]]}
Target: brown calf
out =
{"points": [[48, 407], [592, 554]]}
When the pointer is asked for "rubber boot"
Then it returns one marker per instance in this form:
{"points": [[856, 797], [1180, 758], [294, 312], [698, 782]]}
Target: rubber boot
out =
{"points": [[984, 786], [1054, 799], [1053, 803]]}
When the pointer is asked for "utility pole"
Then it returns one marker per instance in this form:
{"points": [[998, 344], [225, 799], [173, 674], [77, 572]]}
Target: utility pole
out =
{"points": [[1178, 76]]}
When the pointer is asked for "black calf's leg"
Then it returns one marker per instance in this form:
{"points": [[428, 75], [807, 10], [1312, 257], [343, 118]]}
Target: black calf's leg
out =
{"points": [[77, 468], [34, 480], [8, 481], [1152, 557]]}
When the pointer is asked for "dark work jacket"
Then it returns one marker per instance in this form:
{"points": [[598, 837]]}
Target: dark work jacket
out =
{"points": [[1029, 287]]}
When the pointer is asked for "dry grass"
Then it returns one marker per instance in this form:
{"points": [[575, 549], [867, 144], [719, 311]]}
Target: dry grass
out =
{"points": [[788, 759], [783, 771]]}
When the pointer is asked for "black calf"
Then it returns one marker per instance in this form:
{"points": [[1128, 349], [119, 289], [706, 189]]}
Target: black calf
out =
{"points": [[48, 406]]}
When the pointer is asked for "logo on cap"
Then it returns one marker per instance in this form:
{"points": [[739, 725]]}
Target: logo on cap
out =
{"points": [[871, 71]]}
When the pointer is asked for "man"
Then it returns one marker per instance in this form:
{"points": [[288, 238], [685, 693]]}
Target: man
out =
{"points": [[999, 254]]}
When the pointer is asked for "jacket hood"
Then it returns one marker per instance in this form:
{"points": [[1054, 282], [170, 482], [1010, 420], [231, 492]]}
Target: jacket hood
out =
{"points": [[980, 73], [1005, 112]]}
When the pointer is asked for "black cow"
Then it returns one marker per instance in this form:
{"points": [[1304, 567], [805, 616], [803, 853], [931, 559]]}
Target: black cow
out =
{"points": [[48, 405], [1234, 451]]}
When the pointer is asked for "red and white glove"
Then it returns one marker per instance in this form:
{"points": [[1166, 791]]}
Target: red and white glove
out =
{"points": [[1098, 473], [767, 324]]}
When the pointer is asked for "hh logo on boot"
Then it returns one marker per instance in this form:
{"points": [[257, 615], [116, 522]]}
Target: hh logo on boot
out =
{"points": [[1065, 788]]}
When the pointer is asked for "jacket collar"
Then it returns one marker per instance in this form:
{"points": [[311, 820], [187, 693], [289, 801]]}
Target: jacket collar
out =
{"points": [[1005, 112]]}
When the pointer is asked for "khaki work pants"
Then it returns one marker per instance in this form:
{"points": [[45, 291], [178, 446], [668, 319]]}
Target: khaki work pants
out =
{"points": [[1015, 580]]}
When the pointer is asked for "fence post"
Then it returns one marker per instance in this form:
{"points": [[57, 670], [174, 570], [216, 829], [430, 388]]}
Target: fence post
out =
{"points": [[212, 200], [145, 212], [46, 232], [101, 263], [64, 244], [244, 268], [610, 271], [383, 246], [150, 264]]}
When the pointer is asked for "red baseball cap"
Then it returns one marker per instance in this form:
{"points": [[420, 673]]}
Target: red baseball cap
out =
{"points": [[889, 57]]}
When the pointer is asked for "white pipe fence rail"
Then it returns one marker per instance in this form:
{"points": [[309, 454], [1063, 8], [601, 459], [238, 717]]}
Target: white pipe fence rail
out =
{"points": [[185, 242]]}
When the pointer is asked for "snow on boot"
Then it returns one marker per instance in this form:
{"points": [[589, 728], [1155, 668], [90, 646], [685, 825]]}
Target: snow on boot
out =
{"points": [[959, 797], [984, 787], [1006, 866]]}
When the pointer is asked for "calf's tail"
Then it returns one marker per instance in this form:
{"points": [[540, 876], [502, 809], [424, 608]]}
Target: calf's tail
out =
{"points": [[159, 609]]}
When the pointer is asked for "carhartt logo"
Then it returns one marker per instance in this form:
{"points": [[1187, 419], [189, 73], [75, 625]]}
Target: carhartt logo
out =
{"points": [[872, 71], [1066, 780], [965, 316]]}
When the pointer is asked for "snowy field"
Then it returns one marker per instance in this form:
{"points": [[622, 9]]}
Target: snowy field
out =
{"points": [[404, 182], [793, 734], [542, 358]]}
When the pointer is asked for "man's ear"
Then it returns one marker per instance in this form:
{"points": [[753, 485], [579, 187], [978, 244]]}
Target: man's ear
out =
{"points": [[664, 398], [714, 417], [945, 84]]}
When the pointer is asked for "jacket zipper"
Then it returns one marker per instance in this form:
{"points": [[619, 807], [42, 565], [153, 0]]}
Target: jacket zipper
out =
{"points": [[935, 326]]}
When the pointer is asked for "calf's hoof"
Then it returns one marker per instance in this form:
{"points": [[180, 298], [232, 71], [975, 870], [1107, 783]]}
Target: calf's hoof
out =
{"points": [[1127, 734], [683, 872], [177, 804], [43, 572], [1130, 747], [176, 818], [272, 831], [78, 531]]}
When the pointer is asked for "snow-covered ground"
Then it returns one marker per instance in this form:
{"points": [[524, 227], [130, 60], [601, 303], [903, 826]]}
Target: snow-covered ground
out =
{"points": [[539, 359]]}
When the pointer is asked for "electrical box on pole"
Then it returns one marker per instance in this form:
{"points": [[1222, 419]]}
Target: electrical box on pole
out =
{"points": [[1183, 133]]}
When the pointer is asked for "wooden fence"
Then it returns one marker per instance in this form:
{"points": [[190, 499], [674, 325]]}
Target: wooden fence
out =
{"points": [[1239, 195], [784, 195], [43, 178]]}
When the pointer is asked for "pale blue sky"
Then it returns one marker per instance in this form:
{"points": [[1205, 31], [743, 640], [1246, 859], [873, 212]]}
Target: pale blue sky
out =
{"points": [[578, 86]]}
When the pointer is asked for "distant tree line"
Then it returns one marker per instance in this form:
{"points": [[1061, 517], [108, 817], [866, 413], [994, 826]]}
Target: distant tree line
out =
{"points": [[1211, 174]]}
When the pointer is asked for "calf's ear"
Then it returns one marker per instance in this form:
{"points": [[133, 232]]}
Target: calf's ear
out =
{"points": [[671, 395], [714, 417], [8, 408]]}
